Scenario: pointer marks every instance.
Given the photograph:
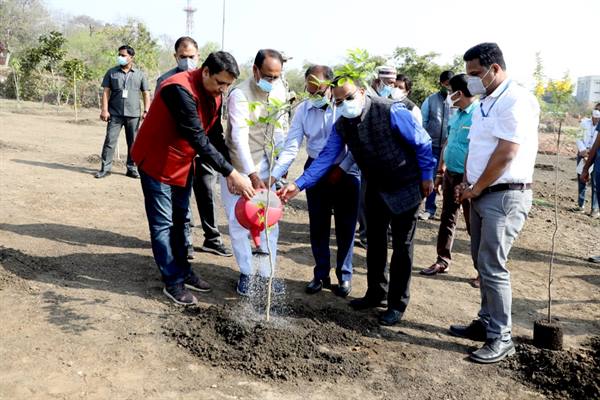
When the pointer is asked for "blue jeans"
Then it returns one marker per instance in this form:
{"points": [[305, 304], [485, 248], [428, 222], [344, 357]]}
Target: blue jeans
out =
{"points": [[496, 220], [166, 208], [430, 202], [582, 188], [342, 198]]}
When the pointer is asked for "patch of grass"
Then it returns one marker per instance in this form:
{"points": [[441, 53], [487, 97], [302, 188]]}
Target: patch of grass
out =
{"points": [[542, 203]]}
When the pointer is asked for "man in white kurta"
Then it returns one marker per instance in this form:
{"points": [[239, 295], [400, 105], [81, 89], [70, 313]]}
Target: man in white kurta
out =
{"points": [[250, 151]]}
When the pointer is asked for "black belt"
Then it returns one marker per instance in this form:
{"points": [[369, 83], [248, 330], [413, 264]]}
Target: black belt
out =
{"points": [[501, 187]]}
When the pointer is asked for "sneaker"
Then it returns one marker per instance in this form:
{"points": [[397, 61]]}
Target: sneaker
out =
{"points": [[243, 285], [594, 259], [216, 248], [133, 174], [595, 214], [578, 209], [180, 295], [425, 215], [190, 252], [193, 282]]}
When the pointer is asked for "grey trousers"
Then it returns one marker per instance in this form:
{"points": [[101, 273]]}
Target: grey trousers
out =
{"points": [[205, 179], [496, 220], [113, 129]]}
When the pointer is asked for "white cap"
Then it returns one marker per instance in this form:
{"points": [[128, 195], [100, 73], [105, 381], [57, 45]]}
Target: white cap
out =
{"points": [[595, 114]]}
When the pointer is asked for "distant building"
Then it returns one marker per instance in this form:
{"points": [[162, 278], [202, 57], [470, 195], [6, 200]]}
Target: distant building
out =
{"points": [[588, 89]]}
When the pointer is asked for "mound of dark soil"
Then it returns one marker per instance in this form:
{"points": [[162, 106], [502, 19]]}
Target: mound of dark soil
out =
{"points": [[559, 374], [303, 344]]}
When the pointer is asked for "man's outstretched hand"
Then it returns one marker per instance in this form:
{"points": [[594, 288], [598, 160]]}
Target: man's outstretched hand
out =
{"points": [[237, 184], [288, 192]]}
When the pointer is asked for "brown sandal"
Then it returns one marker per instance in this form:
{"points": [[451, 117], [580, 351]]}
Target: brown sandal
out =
{"points": [[436, 268], [475, 282]]}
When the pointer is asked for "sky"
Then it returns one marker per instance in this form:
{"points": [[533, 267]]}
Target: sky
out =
{"points": [[320, 31]]}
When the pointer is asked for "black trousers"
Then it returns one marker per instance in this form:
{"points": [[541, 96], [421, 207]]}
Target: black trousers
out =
{"points": [[379, 218]]}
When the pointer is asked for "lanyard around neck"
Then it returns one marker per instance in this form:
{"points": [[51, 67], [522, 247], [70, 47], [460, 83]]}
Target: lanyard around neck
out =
{"points": [[484, 114]]}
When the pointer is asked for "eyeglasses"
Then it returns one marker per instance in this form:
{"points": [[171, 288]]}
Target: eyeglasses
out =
{"points": [[352, 96], [318, 93], [268, 78]]}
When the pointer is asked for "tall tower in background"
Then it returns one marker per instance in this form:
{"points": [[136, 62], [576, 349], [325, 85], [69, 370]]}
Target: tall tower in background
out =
{"points": [[189, 20]]}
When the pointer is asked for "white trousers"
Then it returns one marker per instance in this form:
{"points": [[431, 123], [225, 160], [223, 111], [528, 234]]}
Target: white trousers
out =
{"points": [[240, 237]]}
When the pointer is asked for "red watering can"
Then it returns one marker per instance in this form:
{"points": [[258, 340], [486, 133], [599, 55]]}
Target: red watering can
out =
{"points": [[252, 215]]}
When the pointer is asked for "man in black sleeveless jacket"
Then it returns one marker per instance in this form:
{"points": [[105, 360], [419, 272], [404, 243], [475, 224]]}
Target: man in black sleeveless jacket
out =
{"points": [[394, 154]]}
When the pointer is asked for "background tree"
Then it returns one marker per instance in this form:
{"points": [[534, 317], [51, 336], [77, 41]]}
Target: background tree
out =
{"points": [[22, 22], [41, 66], [423, 71], [50, 54], [74, 70]]}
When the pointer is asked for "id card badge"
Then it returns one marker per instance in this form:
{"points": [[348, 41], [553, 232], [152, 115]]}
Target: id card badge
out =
{"points": [[124, 93]]}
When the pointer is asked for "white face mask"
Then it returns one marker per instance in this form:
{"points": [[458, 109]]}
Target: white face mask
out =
{"points": [[398, 94], [475, 84], [450, 102], [351, 108]]}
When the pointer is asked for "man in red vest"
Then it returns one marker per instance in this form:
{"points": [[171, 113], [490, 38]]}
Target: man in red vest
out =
{"points": [[186, 109]]}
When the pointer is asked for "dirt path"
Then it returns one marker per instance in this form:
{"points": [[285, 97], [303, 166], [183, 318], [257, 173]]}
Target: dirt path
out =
{"points": [[83, 315]]}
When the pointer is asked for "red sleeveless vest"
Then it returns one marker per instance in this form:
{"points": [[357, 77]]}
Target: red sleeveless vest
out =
{"points": [[159, 150]]}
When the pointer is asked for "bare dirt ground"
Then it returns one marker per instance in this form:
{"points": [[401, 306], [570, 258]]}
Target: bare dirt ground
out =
{"points": [[82, 313]]}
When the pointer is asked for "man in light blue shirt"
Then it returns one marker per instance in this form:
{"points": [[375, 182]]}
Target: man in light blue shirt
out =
{"points": [[436, 111], [394, 154], [336, 191], [451, 169]]}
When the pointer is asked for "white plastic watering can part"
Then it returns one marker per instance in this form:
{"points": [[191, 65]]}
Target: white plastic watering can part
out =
{"points": [[261, 197]]}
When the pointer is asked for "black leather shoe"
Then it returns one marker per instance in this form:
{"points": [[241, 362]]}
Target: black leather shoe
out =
{"points": [[390, 317], [133, 174], [364, 303], [343, 289], [102, 174], [474, 331], [316, 285], [493, 350]]}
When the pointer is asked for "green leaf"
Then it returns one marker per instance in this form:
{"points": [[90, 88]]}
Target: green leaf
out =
{"points": [[252, 106], [276, 102]]}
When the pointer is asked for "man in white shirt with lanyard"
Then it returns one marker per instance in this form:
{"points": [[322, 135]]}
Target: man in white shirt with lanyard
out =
{"points": [[503, 144], [584, 144]]}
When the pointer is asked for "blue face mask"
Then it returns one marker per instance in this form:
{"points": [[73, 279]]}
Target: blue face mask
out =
{"points": [[384, 91], [122, 61], [318, 102], [264, 85], [351, 108]]}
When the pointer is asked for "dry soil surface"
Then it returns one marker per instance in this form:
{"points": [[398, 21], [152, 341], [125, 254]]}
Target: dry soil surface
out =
{"points": [[82, 313]]}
